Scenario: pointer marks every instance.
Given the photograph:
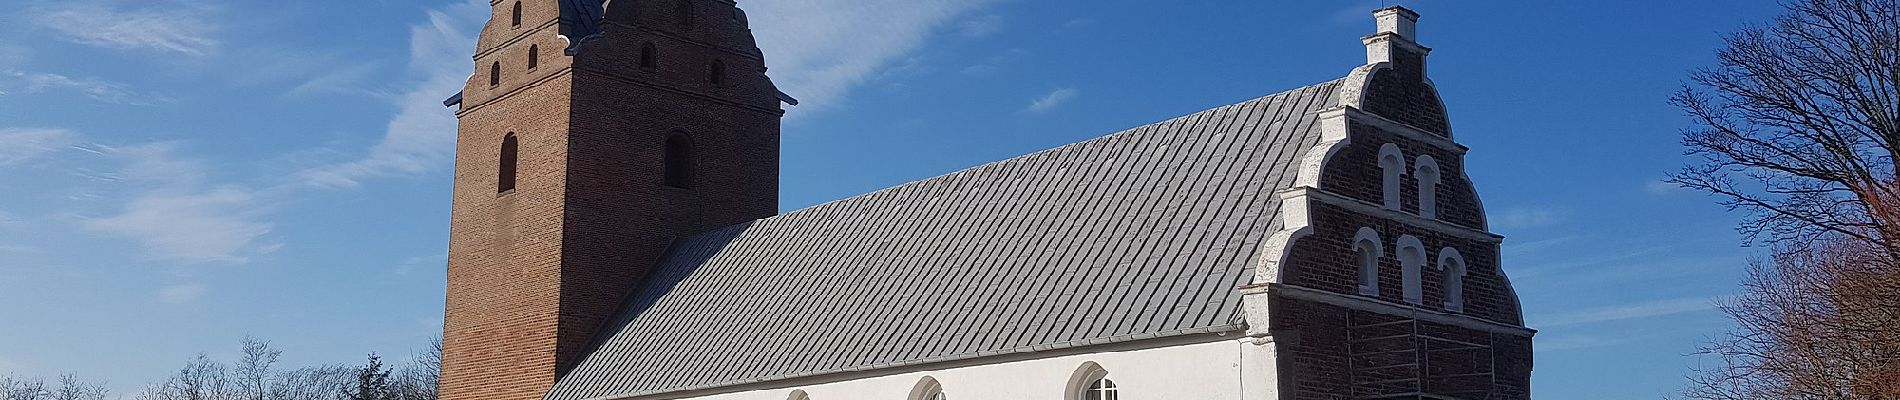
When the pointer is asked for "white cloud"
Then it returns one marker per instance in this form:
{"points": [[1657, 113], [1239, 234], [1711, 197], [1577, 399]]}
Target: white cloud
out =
{"points": [[13, 55], [24, 145], [1053, 99], [989, 65], [1576, 342], [417, 263], [1650, 309], [1663, 188], [1078, 23], [819, 50], [176, 217], [218, 226], [181, 29], [108, 92], [181, 294], [421, 136], [981, 27], [1528, 217], [1357, 12]]}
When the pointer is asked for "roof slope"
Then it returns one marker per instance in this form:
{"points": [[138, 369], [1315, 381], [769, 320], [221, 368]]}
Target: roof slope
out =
{"points": [[1140, 234]]}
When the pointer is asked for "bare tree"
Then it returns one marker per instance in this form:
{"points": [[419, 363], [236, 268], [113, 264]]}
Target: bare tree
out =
{"points": [[312, 383], [12, 388], [419, 379], [1819, 322], [254, 377], [1799, 126], [70, 388], [200, 379]]}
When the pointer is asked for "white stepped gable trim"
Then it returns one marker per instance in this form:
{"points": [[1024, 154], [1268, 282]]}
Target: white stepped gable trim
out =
{"points": [[1396, 309], [1407, 131], [1363, 207]]}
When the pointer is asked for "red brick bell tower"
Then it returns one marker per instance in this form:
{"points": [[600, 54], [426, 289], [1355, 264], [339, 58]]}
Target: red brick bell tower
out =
{"points": [[591, 137]]}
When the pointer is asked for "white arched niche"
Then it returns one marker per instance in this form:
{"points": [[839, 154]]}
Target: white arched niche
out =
{"points": [[1367, 250], [1453, 265], [1411, 254], [1427, 172]]}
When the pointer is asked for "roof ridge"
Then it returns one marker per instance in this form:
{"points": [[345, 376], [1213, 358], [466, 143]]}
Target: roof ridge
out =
{"points": [[974, 168]]}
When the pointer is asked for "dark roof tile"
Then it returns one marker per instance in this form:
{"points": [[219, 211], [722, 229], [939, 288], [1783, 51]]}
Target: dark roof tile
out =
{"points": [[1138, 234]]}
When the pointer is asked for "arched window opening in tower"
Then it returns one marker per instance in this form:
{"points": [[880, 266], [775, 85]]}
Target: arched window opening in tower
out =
{"points": [[1366, 253], [1453, 265], [679, 161], [649, 58], [494, 74], [684, 13], [717, 73], [1427, 173], [534, 56], [510, 154], [517, 15], [1392, 164]]}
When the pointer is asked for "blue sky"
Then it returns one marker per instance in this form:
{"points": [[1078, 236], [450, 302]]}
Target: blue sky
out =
{"points": [[180, 174]]}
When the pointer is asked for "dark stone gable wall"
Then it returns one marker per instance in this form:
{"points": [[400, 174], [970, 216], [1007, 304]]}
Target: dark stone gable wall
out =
{"points": [[1330, 351]]}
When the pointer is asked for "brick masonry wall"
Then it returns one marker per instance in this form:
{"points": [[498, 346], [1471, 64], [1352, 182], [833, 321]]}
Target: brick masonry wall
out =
{"points": [[535, 272], [1332, 352], [623, 114]]}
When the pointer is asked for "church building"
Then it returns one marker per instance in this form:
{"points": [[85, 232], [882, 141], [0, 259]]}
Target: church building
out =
{"points": [[616, 236]]}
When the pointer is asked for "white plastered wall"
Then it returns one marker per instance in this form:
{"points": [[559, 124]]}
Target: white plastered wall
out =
{"points": [[1200, 371]]}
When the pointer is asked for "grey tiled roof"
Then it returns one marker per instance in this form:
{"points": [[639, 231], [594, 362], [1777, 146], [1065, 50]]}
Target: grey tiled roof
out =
{"points": [[1140, 234]]}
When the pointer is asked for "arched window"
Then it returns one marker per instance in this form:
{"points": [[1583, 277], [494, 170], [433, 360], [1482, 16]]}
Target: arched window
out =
{"points": [[510, 155], [517, 15], [684, 12], [679, 161], [1366, 250], [927, 389], [1412, 265], [1091, 382], [1426, 170], [1102, 389], [534, 56], [798, 395], [648, 58], [1453, 265], [1392, 162], [494, 74], [717, 73]]}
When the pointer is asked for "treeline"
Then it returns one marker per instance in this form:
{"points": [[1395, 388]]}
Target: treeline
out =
{"points": [[257, 375]]}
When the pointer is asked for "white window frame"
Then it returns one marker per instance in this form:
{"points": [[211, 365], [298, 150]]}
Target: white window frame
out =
{"points": [[1084, 378], [927, 388]]}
